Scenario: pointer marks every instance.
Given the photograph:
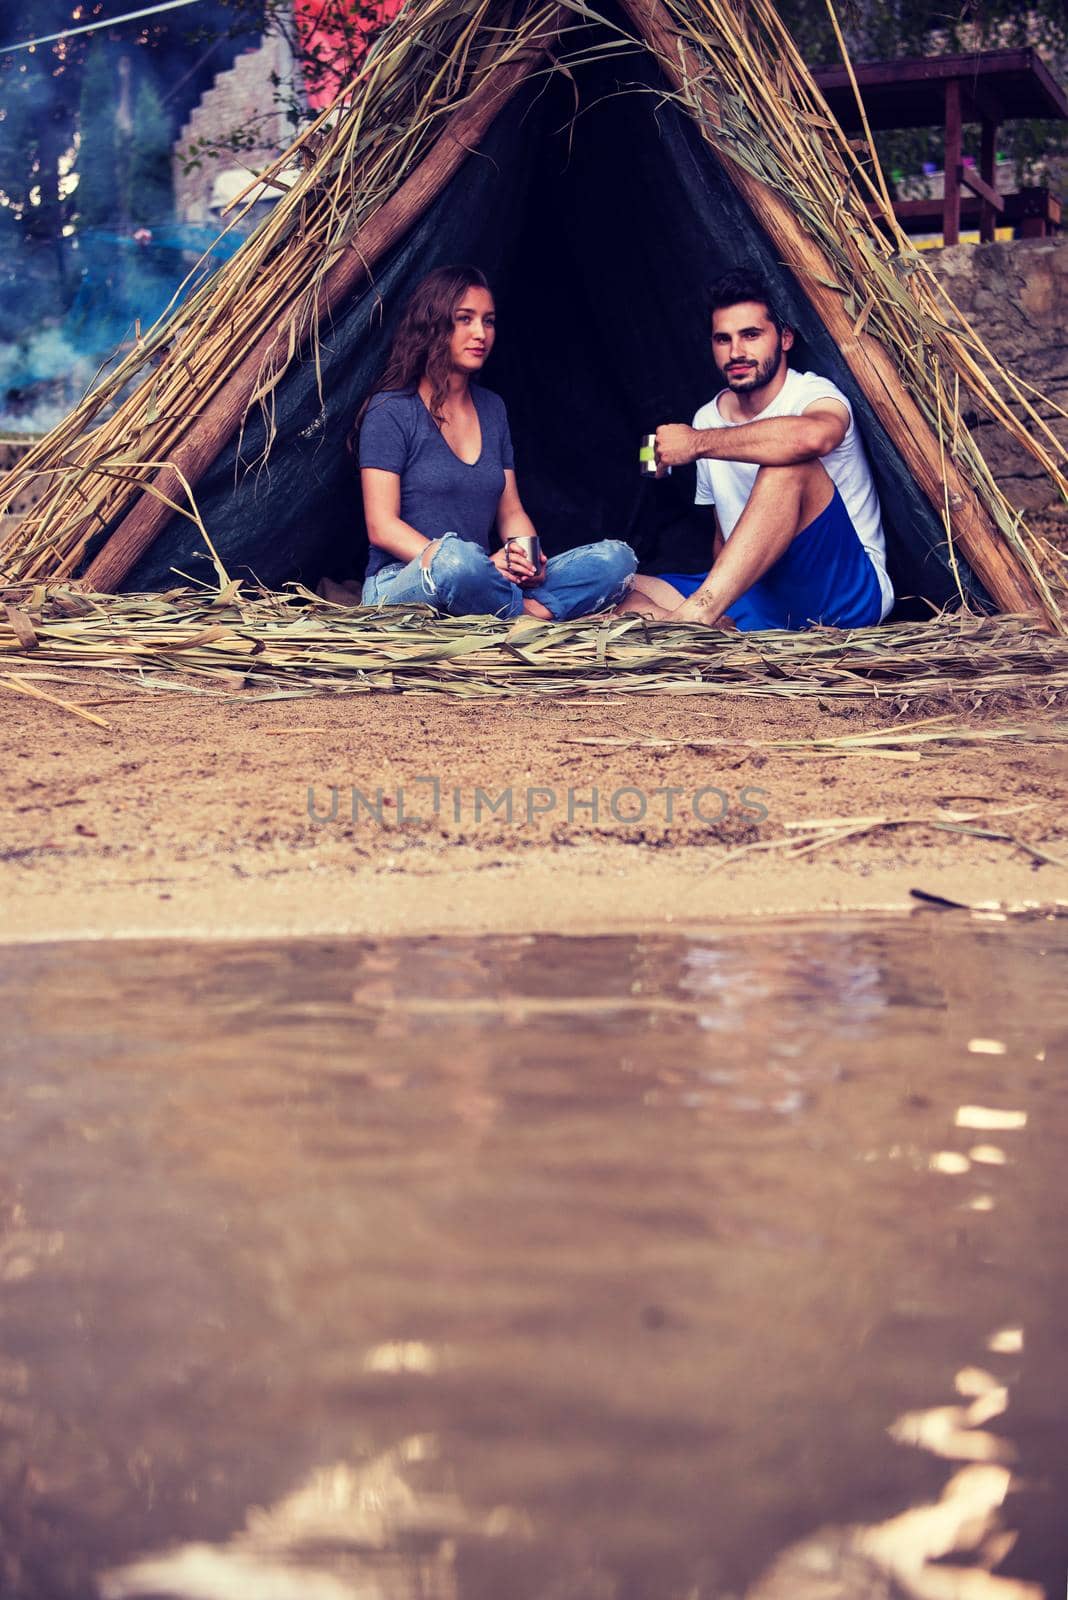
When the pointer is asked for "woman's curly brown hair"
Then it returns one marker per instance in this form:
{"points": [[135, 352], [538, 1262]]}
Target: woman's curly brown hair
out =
{"points": [[421, 343]]}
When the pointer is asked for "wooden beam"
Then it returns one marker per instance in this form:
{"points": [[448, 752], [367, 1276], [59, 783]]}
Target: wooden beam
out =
{"points": [[209, 432], [992, 203], [999, 84], [928, 211], [951, 165], [869, 362], [968, 178], [925, 216]]}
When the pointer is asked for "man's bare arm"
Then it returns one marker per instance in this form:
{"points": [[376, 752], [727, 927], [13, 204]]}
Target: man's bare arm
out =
{"points": [[768, 442]]}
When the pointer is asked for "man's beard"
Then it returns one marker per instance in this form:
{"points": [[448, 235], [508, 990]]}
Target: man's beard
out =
{"points": [[758, 377]]}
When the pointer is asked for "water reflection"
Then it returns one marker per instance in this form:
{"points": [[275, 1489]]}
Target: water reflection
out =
{"points": [[1007, 1341], [919, 1550], [348, 1531], [990, 1118], [561, 1270]]}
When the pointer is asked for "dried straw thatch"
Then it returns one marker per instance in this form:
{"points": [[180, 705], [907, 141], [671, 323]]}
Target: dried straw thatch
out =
{"points": [[733, 68], [285, 645]]}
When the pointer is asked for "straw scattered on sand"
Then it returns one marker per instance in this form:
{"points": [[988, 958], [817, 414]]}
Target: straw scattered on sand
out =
{"points": [[288, 644]]}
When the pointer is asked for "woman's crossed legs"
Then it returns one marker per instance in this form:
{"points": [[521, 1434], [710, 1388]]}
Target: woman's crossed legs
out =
{"points": [[459, 579]]}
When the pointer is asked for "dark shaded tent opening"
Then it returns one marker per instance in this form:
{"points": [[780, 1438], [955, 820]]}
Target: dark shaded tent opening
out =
{"points": [[600, 230]]}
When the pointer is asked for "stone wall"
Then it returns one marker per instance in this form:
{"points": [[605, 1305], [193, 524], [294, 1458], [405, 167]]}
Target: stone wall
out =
{"points": [[1016, 296]]}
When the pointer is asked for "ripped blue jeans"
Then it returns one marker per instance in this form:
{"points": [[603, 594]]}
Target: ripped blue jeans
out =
{"points": [[461, 580]]}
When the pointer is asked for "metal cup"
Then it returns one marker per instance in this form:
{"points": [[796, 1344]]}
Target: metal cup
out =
{"points": [[530, 545], [647, 458]]}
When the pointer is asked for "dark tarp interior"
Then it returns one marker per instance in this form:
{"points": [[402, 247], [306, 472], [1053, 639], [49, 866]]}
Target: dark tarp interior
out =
{"points": [[600, 233]]}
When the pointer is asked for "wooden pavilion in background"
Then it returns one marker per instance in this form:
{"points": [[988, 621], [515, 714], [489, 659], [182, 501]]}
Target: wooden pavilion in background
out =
{"points": [[988, 87]]}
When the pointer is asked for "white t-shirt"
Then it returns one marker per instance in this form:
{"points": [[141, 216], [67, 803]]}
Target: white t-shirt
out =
{"points": [[728, 484]]}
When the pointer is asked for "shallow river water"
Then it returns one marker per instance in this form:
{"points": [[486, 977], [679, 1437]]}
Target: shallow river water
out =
{"points": [[665, 1268]]}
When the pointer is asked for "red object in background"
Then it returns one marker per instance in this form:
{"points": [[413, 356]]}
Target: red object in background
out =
{"points": [[334, 35]]}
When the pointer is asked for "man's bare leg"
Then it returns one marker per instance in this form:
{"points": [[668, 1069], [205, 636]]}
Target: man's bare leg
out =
{"points": [[783, 502], [651, 597]]}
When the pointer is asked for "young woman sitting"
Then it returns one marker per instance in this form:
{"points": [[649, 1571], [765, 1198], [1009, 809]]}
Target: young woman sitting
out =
{"points": [[437, 473]]}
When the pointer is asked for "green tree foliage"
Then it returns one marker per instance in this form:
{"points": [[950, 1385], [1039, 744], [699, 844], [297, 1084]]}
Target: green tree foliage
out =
{"points": [[40, 90], [19, 153], [95, 199], [124, 165], [151, 192], [38, 102]]}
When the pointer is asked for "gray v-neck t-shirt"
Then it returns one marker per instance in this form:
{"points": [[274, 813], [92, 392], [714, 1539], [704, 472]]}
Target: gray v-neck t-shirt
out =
{"points": [[439, 492]]}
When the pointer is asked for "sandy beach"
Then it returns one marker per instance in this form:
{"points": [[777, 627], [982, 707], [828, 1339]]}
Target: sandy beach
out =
{"points": [[194, 815]]}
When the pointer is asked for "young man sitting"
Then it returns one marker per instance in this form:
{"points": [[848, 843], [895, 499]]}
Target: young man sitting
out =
{"points": [[798, 536]]}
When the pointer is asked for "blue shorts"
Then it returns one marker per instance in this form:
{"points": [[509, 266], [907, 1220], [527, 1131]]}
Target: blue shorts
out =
{"points": [[826, 576]]}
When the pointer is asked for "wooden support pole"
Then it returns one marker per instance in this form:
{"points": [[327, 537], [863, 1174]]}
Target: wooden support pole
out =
{"points": [[951, 165], [870, 364], [208, 434], [988, 157]]}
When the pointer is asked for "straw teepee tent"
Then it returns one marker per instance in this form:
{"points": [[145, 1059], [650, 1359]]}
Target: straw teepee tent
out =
{"points": [[601, 165]]}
